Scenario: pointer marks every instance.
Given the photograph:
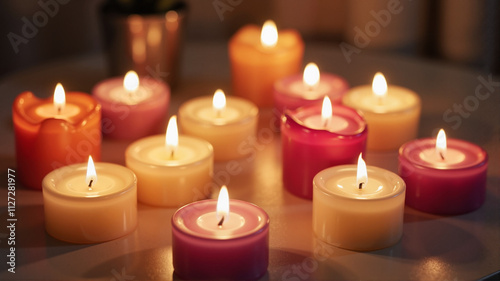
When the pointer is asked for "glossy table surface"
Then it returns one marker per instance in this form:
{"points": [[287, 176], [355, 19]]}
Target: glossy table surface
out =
{"points": [[465, 247]]}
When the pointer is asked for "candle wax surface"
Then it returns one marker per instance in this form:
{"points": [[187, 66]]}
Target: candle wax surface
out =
{"points": [[300, 89], [130, 97], [49, 111], [397, 99]]}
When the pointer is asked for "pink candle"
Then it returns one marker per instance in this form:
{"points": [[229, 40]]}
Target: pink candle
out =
{"points": [[308, 88], [208, 243], [132, 108], [314, 140], [447, 179]]}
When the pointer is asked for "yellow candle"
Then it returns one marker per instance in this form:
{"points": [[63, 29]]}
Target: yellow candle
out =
{"points": [[171, 170], [391, 112], [82, 208], [227, 123], [260, 57]]}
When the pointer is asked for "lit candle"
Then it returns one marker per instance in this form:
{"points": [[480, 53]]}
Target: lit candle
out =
{"points": [[313, 139], [391, 112], [358, 208], [446, 177], [261, 57], [131, 107], [87, 203], [227, 123], [52, 133], [307, 89], [220, 239], [171, 170]]}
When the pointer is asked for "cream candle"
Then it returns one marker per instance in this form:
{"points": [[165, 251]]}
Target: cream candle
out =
{"points": [[224, 122], [171, 170], [84, 203], [446, 177], [391, 112], [127, 101], [359, 211], [220, 239]]}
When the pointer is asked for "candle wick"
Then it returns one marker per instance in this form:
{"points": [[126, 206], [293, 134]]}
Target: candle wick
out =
{"points": [[218, 113], [325, 125], [90, 183], [59, 110], [361, 185], [441, 154], [172, 154], [221, 222]]}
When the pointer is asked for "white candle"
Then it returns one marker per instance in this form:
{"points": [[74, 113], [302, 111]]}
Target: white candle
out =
{"points": [[359, 213], [171, 173], [227, 126], [80, 211], [326, 121]]}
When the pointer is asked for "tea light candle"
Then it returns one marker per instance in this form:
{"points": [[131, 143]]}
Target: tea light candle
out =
{"points": [[84, 203], [171, 170], [314, 139], [52, 133], [308, 89], [391, 112], [259, 58], [211, 241], [132, 108], [445, 177], [227, 123], [358, 209]]}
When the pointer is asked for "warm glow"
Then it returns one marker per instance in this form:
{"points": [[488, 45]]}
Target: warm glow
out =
{"points": [[361, 175], [326, 111], [269, 34], [59, 98], [379, 85], [223, 204], [172, 136], [131, 81], [219, 101], [311, 75], [91, 173], [441, 144]]}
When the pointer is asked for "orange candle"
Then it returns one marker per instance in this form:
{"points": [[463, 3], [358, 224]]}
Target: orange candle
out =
{"points": [[52, 133], [261, 57]]}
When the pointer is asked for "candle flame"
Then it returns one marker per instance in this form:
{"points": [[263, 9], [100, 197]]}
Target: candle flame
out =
{"points": [[222, 211], [269, 34], [172, 136], [91, 177], [326, 111], [441, 144], [131, 81], [379, 85], [361, 175], [219, 101], [311, 75], [59, 98]]}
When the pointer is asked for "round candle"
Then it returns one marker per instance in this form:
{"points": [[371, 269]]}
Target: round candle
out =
{"points": [[311, 143], [237, 249], [51, 134], [77, 213], [259, 58], [360, 219], [391, 112], [310, 88], [132, 108], [171, 175], [446, 184], [226, 123]]}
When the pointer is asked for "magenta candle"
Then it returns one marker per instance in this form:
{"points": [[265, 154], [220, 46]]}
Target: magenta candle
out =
{"points": [[309, 146], [237, 250], [449, 185], [308, 89], [132, 109]]}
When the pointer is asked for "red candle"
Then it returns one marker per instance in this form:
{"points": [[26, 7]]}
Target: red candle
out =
{"points": [[446, 177], [308, 88], [225, 240], [54, 133], [313, 139]]}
